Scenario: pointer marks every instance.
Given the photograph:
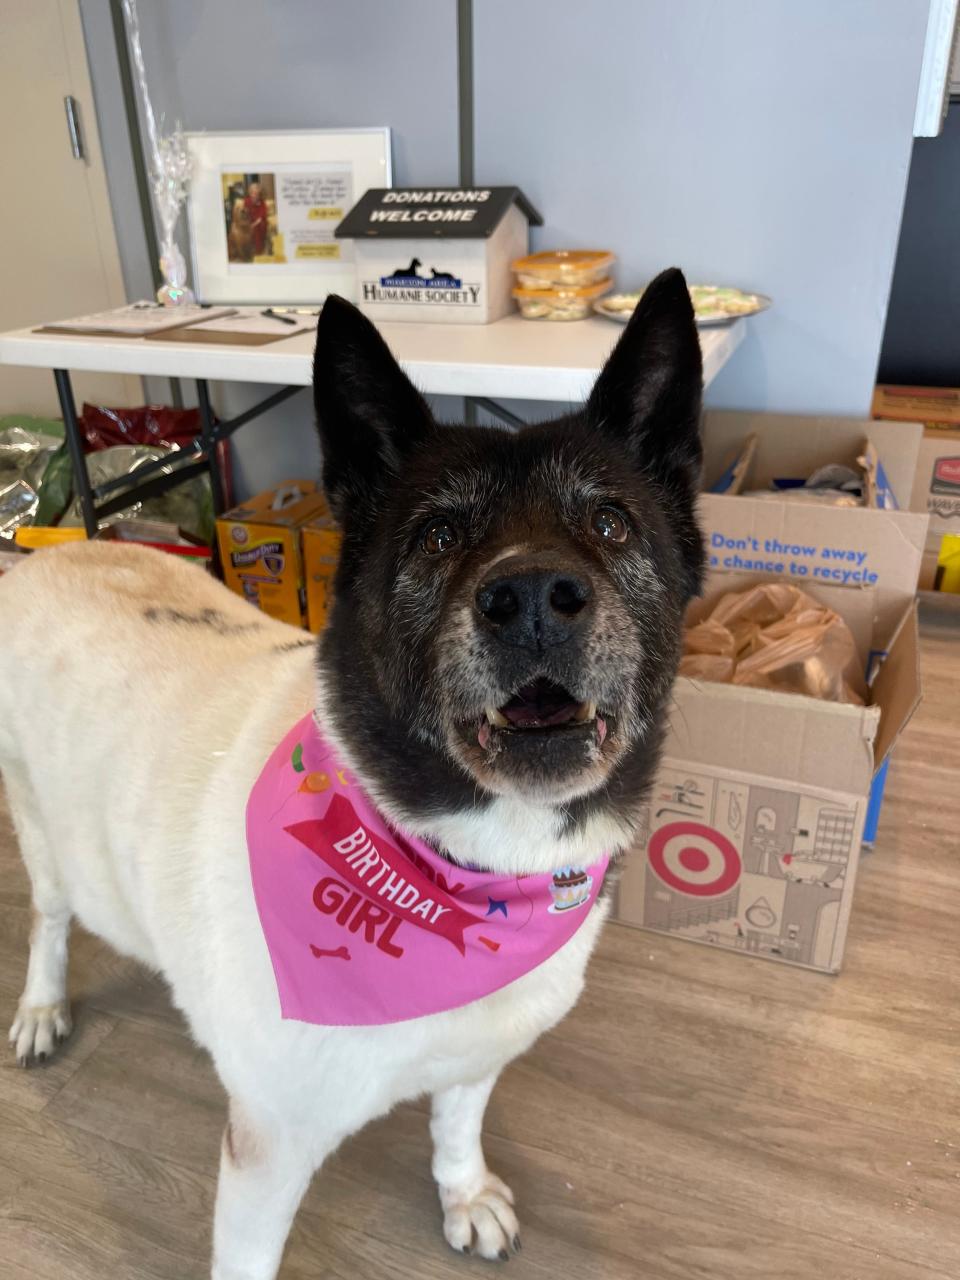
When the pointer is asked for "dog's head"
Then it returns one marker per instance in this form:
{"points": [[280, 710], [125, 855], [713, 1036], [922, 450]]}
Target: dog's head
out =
{"points": [[508, 606]]}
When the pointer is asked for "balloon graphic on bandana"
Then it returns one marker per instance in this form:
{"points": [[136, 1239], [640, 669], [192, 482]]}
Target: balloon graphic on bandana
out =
{"points": [[694, 859]]}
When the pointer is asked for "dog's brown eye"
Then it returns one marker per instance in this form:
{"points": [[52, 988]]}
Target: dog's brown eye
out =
{"points": [[438, 537], [610, 524]]}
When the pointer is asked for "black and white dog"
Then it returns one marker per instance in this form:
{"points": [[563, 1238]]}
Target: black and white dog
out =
{"points": [[501, 650]]}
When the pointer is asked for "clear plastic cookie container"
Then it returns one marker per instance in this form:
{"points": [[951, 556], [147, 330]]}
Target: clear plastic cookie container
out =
{"points": [[570, 268], [560, 303]]}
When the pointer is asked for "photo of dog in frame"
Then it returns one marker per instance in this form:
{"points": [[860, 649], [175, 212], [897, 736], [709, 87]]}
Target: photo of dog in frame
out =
{"points": [[485, 707]]}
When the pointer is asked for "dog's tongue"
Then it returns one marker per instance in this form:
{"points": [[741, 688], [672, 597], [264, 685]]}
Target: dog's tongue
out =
{"points": [[540, 703]]}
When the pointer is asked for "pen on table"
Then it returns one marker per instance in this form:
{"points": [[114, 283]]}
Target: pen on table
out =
{"points": [[275, 315]]}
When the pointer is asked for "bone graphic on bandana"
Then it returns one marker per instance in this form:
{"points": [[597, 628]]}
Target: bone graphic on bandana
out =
{"points": [[382, 872], [340, 953]]}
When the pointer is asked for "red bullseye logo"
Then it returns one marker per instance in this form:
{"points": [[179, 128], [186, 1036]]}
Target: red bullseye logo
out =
{"points": [[694, 859]]}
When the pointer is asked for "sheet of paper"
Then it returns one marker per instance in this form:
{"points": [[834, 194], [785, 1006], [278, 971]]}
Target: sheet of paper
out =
{"points": [[252, 320]]}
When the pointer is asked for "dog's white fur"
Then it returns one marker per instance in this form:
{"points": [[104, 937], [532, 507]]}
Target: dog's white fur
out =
{"points": [[128, 747]]}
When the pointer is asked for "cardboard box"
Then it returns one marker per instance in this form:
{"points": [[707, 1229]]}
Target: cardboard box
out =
{"points": [[321, 554], [753, 833], [260, 548], [751, 839], [929, 567], [438, 254], [873, 545], [936, 486], [933, 406], [843, 546]]}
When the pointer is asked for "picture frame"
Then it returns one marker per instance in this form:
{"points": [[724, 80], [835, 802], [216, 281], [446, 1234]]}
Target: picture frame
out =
{"points": [[263, 206]]}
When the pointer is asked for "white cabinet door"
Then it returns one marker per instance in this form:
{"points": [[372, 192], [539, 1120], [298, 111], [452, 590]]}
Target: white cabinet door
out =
{"points": [[58, 253]]}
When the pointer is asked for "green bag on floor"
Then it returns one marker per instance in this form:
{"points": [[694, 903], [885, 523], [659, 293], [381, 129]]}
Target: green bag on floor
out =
{"points": [[31, 450]]}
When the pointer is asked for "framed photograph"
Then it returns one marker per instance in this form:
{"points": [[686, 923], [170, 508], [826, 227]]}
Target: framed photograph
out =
{"points": [[263, 208]]}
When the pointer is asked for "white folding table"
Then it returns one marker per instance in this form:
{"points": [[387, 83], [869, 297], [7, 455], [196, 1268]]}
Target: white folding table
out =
{"points": [[512, 358]]}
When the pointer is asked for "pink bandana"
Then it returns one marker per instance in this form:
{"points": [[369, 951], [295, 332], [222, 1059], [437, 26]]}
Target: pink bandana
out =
{"points": [[366, 925]]}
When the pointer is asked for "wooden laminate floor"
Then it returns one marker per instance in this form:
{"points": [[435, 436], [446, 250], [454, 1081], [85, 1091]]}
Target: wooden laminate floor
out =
{"points": [[700, 1116]]}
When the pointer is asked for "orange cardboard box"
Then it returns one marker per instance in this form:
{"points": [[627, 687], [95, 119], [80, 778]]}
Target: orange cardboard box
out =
{"points": [[260, 548], [321, 553], [935, 407]]}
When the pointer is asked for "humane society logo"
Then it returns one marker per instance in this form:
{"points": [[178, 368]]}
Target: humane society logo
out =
{"points": [[416, 283], [411, 276]]}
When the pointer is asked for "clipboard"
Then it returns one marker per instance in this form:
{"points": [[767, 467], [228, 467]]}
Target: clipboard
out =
{"points": [[136, 320]]}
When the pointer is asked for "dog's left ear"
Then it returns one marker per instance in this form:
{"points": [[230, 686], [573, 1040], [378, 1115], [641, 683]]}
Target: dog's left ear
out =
{"points": [[369, 414], [648, 394]]}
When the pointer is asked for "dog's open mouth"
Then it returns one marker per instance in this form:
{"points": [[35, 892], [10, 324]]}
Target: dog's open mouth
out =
{"points": [[541, 708]]}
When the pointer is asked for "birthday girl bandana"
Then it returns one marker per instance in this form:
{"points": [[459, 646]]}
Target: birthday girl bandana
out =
{"points": [[366, 925]]}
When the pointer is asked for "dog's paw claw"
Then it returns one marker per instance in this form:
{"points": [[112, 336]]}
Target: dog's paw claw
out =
{"points": [[480, 1219], [38, 1029]]}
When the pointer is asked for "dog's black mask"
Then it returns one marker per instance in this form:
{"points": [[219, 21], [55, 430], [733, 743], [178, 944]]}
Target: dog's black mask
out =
{"points": [[508, 606]]}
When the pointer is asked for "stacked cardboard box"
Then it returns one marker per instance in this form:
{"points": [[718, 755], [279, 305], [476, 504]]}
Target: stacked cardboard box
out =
{"points": [[279, 551], [936, 487], [753, 832]]}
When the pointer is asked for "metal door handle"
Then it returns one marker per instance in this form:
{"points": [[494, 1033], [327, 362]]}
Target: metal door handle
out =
{"points": [[73, 126]]}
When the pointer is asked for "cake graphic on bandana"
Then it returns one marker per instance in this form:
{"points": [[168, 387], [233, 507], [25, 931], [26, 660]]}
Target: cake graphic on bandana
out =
{"points": [[570, 888]]}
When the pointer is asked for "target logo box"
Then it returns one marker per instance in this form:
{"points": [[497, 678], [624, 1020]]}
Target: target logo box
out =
{"points": [[747, 864], [752, 835]]}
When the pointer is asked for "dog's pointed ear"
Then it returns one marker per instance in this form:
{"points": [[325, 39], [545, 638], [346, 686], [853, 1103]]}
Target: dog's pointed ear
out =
{"points": [[648, 395], [369, 414]]}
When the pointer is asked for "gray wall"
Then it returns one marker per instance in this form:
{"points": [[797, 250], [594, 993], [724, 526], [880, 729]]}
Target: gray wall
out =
{"points": [[304, 64], [762, 142], [921, 343]]}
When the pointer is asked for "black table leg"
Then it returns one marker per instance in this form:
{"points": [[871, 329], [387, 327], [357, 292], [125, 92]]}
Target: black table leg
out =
{"points": [[208, 438], [146, 482], [81, 478]]}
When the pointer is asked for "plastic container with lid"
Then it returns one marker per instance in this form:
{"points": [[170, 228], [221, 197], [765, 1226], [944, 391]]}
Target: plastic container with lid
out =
{"points": [[568, 267], [563, 303]]}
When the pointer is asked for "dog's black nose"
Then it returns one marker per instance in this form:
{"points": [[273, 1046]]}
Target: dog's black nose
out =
{"points": [[536, 609]]}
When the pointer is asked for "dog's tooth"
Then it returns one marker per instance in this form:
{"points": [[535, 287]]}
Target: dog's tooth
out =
{"points": [[496, 719], [587, 711]]}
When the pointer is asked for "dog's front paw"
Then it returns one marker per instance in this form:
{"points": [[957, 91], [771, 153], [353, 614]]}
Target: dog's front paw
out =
{"points": [[480, 1218], [38, 1029]]}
